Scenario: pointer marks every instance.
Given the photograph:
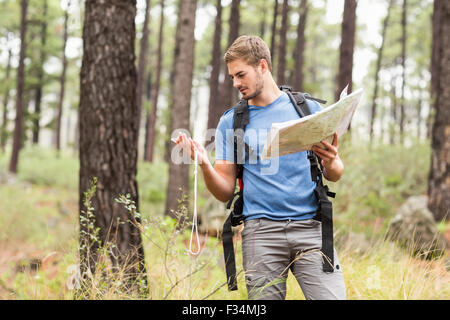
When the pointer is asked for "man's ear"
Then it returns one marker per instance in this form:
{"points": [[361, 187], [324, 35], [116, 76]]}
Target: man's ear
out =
{"points": [[264, 65]]}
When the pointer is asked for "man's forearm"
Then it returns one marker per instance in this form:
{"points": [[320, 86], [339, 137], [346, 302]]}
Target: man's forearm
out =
{"points": [[221, 188]]}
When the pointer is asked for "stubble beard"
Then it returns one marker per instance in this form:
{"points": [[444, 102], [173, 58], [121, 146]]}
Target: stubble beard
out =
{"points": [[259, 88]]}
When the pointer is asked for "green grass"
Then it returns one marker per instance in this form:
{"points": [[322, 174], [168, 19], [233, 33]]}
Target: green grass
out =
{"points": [[40, 216]]}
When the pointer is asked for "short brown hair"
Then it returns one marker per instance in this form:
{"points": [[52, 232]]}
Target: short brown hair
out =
{"points": [[249, 48]]}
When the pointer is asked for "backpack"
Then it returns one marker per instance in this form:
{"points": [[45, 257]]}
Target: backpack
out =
{"points": [[324, 210]]}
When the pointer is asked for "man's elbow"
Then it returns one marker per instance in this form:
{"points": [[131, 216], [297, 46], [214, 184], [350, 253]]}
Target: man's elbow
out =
{"points": [[224, 197], [335, 176]]}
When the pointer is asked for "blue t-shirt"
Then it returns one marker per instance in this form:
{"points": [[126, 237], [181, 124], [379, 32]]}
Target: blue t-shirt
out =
{"points": [[279, 188]]}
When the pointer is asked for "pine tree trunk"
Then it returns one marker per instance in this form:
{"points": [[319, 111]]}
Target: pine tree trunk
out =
{"points": [[62, 81], [227, 94], [419, 117], [38, 100], [151, 132], [377, 70], [297, 84], [18, 127], [178, 185], [439, 178], [281, 78], [148, 93], [394, 106], [3, 134], [402, 103], [436, 48], [142, 64], [346, 49], [274, 32], [434, 65], [108, 119], [213, 108], [262, 24]]}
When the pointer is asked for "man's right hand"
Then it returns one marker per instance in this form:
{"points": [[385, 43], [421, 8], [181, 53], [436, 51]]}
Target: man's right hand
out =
{"points": [[189, 145], [220, 179]]}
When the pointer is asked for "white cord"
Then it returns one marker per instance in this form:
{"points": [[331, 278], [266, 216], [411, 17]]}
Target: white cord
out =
{"points": [[194, 220]]}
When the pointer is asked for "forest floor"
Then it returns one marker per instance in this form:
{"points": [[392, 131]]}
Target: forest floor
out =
{"points": [[39, 238]]}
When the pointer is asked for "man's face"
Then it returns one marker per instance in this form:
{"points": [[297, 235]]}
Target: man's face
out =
{"points": [[246, 78]]}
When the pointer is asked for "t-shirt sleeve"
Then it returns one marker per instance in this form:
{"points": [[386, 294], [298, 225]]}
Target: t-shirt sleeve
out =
{"points": [[224, 138]]}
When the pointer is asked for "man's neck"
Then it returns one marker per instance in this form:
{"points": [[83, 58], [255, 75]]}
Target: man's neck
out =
{"points": [[269, 94]]}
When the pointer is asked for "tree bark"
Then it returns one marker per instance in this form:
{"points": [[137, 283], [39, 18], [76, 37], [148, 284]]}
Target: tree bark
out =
{"points": [[4, 132], [434, 65], [281, 78], [213, 108], [394, 107], [228, 96], [419, 116], [18, 127], [62, 80], [142, 64], [402, 99], [274, 31], [178, 185], [377, 69], [346, 49], [148, 93], [262, 24], [297, 84], [38, 100], [436, 48], [151, 132], [108, 117], [439, 177]]}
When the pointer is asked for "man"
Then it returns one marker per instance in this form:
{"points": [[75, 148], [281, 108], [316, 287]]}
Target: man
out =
{"points": [[279, 233]]}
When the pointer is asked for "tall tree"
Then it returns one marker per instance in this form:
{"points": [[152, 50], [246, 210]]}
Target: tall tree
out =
{"points": [[402, 101], [178, 185], [419, 114], [434, 65], [262, 25], [345, 71], [62, 81], [151, 130], [108, 137], [227, 92], [6, 94], [274, 30], [281, 78], [18, 127], [142, 64], [394, 112], [38, 96], [378, 67], [213, 110], [439, 177], [300, 47]]}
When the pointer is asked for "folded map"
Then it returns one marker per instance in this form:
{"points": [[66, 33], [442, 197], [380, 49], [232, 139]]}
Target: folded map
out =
{"points": [[301, 134]]}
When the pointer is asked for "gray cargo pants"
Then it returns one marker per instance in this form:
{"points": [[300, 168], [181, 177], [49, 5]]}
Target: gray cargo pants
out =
{"points": [[271, 248]]}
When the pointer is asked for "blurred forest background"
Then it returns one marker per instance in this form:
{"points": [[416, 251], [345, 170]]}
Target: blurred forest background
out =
{"points": [[91, 91]]}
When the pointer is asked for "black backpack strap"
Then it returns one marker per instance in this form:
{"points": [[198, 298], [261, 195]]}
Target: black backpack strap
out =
{"points": [[288, 90], [241, 119], [324, 212], [228, 253]]}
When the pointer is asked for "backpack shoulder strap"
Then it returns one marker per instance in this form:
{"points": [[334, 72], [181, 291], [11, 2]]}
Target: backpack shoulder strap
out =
{"points": [[298, 99], [241, 120], [241, 117]]}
